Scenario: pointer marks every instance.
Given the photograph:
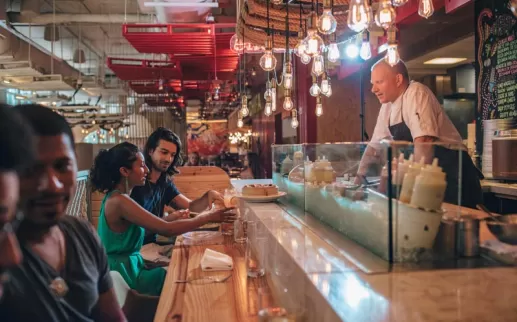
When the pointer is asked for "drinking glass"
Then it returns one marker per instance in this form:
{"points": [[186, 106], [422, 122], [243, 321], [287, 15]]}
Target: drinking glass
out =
{"points": [[256, 243], [230, 200]]}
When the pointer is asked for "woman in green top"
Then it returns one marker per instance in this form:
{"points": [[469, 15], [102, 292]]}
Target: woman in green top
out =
{"points": [[122, 221]]}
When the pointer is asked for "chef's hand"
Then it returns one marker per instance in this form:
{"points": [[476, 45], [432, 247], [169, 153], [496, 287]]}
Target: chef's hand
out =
{"points": [[170, 214]]}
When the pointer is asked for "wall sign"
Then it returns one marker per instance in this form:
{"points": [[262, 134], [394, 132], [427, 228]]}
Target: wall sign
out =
{"points": [[496, 62]]}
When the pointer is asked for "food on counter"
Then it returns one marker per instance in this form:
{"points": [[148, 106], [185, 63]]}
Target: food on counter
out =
{"points": [[260, 190], [321, 172], [409, 181], [429, 187], [287, 165], [298, 158]]}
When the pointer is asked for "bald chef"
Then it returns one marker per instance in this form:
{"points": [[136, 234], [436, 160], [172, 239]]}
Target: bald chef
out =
{"points": [[411, 112]]}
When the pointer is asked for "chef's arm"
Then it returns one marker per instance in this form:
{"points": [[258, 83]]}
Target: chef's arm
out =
{"points": [[371, 156], [424, 149]]}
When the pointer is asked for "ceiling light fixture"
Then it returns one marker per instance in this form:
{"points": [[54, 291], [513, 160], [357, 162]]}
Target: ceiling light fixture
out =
{"points": [[444, 61]]}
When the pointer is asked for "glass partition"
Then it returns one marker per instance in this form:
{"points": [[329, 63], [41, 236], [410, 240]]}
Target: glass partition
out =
{"points": [[388, 197]]}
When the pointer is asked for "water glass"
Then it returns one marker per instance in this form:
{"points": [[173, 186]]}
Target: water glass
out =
{"points": [[230, 200], [256, 242]]}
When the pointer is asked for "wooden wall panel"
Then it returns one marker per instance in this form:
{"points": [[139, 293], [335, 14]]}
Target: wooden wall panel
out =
{"points": [[341, 120]]}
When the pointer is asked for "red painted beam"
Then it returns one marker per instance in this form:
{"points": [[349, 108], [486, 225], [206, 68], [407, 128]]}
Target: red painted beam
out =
{"points": [[452, 5], [408, 13]]}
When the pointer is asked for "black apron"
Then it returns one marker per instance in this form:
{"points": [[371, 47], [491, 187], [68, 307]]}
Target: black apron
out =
{"points": [[471, 192]]}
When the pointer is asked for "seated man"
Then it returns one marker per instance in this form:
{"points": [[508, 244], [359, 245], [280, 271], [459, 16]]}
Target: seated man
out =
{"points": [[64, 275], [16, 152], [162, 155]]}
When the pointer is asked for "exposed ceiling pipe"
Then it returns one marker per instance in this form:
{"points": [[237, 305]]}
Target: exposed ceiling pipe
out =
{"points": [[67, 18]]}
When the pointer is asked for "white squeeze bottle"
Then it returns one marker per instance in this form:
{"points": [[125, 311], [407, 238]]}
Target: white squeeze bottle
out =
{"points": [[409, 180], [429, 189]]}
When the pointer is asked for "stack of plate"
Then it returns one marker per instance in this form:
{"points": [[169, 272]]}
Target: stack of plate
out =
{"points": [[489, 129]]}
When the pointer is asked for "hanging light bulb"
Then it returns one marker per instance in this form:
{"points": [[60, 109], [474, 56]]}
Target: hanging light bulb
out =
{"points": [[160, 85], [299, 49], [268, 60], [277, 2], [333, 50], [294, 120], [329, 92], [425, 8], [319, 106], [386, 14], [273, 95], [244, 106], [512, 5], [324, 84], [288, 102], [267, 108], [305, 59], [327, 22], [240, 123], [315, 89], [392, 54], [351, 50], [365, 52], [398, 3], [358, 19], [318, 65], [288, 74], [314, 43], [267, 93]]}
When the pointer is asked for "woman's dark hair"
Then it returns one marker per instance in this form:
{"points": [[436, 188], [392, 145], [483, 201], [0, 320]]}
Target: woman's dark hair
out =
{"points": [[105, 172], [152, 143]]}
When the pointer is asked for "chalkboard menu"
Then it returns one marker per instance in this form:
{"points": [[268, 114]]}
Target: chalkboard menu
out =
{"points": [[496, 52]]}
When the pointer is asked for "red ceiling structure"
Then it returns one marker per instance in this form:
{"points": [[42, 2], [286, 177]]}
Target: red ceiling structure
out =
{"points": [[199, 54]]}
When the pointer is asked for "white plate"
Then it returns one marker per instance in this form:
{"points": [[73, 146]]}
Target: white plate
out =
{"points": [[263, 198]]}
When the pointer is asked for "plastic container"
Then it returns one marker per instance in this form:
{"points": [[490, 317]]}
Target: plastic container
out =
{"points": [[287, 165], [409, 181], [308, 170], [298, 158], [383, 184], [429, 188]]}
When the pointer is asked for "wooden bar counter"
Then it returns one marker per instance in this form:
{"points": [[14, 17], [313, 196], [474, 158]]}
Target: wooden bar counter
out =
{"points": [[233, 300]]}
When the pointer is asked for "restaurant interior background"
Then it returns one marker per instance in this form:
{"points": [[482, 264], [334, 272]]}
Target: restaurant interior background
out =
{"points": [[119, 69]]}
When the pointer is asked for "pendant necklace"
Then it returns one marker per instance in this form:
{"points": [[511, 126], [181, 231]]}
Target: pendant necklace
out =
{"points": [[58, 285]]}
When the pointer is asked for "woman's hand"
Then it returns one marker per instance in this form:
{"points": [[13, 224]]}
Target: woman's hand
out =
{"points": [[221, 215], [170, 214]]}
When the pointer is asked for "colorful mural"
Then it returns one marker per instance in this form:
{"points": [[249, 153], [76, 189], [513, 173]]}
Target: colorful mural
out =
{"points": [[207, 139]]}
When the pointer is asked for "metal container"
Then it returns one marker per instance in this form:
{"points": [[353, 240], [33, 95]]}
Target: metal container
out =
{"points": [[504, 154], [505, 229], [467, 236], [490, 128], [445, 242]]}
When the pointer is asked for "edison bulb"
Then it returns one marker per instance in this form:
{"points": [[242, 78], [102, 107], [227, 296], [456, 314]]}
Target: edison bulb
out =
{"points": [[358, 19], [333, 52], [398, 3], [288, 103], [365, 52], [267, 109], [245, 111], [314, 90], [240, 123], [318, 65], [425, 8], [288, 77], [325, 86], [319, 109], [294, 122], [385, 15], [268, 61], [267, 93], [299, 50], [273, 99], [392, 55], [327, 22], [329, 92], [305, 59], [313, 42]]}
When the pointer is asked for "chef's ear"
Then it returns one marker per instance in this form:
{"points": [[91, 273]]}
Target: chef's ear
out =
{"points": [[399, 79]]}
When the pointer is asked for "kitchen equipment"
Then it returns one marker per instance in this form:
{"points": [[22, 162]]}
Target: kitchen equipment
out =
{"points": [[489, 129], [487, 211], [445, 242], [504, 154], [467, 236], [505, 229]]}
